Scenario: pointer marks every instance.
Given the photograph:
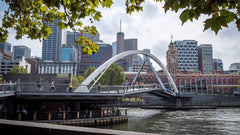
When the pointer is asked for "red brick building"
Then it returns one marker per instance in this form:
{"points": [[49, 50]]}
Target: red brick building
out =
{"points": [[192, 81]]}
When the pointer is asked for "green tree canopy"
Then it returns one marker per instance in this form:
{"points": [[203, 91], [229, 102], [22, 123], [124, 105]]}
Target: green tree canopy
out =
{"points": [[113, 76], [77, 80], [89, 71], [18, 70], [30, 17]]}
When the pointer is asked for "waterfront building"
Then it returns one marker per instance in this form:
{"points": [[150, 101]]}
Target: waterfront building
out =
{"points": [[193, 81], [126, 45], [33, 61], [96, 59], [6, 46], [172, 59], [6, 55], [234, 66], [51, 47], [130, 44], [217, 65], [187, 51], [21, 51], [114, 48], [57, 67], [206, 58], [68, 53], [7, 65], [137, 64], [72, 37]]}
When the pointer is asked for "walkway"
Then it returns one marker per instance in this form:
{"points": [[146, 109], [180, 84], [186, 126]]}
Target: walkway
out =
{"points": [[101, 92]]}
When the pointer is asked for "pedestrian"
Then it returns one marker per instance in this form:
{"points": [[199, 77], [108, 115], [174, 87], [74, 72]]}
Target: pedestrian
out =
{"points": [[52, 87], [24, 113], [70, 87], [139, 84], [18, 83], [99, 86], [10, 85], [4, 85], [38, 85], [60, 113], [69, 113]]}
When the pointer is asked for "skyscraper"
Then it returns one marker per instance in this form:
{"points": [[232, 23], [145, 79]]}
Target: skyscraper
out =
{"points": [[187, 51], [68, 53], [51, 47], [96, 59], [126, 45], [6, 46], [205, 58], [217, 65], [21, 51]]}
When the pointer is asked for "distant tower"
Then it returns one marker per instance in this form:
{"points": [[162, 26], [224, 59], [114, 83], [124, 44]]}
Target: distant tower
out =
{"points": [[51, 47], [172, 59], [120, 40]]}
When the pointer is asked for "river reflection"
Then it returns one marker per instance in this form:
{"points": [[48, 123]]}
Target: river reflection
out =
{"points": [[202, 121]]}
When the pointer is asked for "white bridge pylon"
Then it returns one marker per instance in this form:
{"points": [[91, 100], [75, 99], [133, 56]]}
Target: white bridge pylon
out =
{"points": [[101, 69]]}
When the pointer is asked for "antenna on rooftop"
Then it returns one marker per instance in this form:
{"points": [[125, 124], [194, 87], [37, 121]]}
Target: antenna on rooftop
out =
{"points": [[120, 25]]}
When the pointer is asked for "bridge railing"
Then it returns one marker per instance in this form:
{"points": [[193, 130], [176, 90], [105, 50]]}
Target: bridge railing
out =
{"points": [[122, 88], [5, 88], [65, 88]]}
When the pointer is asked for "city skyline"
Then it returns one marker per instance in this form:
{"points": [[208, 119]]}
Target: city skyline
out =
{"points": [[155, 32]]}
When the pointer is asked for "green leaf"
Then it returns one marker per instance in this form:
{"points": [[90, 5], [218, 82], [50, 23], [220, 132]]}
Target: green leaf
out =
{"points": [[230, 16], [61, 25], [97, 16], [106, 3], [184, 16], [215, 23]]}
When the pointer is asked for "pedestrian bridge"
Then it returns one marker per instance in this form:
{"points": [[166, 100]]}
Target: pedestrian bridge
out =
{"points": [[27, 89], [88, 86]]}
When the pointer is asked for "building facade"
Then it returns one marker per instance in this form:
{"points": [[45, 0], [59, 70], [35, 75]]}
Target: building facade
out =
{"points": [[172, 59], [68, 53], [125, 45], [206, 58], [234, 66], [57, 67], [217, 65], [96, 59], [6, 46], [193, 82], [21, 51], [187, 51], [7, 65], [51, 47], [6, 55]]}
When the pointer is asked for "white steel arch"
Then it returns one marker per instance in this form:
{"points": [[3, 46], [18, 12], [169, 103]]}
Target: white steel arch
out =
{"points": [[100, 70]]}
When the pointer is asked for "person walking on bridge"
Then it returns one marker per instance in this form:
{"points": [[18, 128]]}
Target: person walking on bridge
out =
{"points": [[52, 87]]}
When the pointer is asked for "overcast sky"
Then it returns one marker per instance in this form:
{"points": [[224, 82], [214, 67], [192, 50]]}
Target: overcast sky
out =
{"points": [[153, 29]]}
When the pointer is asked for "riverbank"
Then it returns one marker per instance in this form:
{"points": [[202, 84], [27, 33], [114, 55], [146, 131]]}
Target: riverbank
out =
{"points": [[9, 127], [93, 122]]}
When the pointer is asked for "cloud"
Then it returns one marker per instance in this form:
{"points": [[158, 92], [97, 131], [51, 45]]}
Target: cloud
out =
{"points": [[153, 29]]}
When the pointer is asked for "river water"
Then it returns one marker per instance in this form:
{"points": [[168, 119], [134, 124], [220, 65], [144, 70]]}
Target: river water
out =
{"points": [[200, 121]]}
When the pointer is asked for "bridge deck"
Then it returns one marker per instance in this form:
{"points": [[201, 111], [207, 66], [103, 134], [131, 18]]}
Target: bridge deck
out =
{"points": [[104, 92]]}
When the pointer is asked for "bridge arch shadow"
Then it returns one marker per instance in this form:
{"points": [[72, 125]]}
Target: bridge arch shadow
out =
{"points": [[103, 68]]}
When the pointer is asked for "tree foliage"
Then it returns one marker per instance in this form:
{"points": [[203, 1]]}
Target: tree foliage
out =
{"points": [[18, 70], [30, 17], [89, 71], [77, 80], [113, 76]]}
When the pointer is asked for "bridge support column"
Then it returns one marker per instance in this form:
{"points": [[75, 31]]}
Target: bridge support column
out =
{"points": [[178, 103]]}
